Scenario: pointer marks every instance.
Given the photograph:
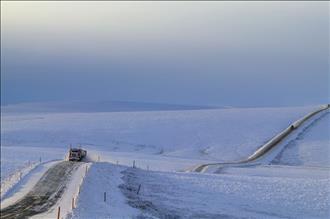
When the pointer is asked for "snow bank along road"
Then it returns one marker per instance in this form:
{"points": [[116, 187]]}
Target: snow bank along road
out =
{"points": [[44, 194], [268, 145]]}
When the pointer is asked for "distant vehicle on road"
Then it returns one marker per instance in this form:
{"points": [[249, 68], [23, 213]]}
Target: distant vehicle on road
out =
{"points": [[77, 154]]}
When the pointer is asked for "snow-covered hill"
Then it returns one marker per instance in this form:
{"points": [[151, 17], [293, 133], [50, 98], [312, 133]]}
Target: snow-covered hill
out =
{"points": [[311, 147], [254, 193], [217, 134], [221, 134], [93, 106], [164, 141]]}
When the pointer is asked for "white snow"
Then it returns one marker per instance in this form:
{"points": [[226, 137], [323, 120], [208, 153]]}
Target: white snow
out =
{"points": [[165, 142], [305, 149], [13, 191], [144, 161], [281, 171], [71, 191], [92, 106], [222, 134], [10, 181], [15, 159], [252, 193], [103, 177]]}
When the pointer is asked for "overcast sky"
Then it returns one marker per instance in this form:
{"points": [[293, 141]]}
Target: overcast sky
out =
{"points": [[200, 53]]}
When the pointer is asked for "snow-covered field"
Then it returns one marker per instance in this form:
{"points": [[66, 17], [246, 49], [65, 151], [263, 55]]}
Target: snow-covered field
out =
{"points": [[162, 144], [222, 134], [10, 193], [305, 149], [240, 193], [103, 178], [16, 158]]}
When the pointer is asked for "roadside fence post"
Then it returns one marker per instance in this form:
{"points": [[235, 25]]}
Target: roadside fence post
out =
{"points": [[98, 158], [72, 203], [104, 196], [117, 162], [148, 167], [58, 212], [39, 159], [133, 163], [138, 191]]}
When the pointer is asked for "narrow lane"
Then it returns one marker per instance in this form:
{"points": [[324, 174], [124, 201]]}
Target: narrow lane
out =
{"points": [[44, 194]]}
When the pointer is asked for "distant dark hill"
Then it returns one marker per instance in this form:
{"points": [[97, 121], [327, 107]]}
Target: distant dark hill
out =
{"points": [[94, 106]]}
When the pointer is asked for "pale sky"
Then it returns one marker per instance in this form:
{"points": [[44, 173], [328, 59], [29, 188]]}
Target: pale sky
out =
{"points": [[200, 53]]}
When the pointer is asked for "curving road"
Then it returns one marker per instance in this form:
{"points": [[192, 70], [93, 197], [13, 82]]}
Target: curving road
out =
{"points": [[44, 194], [268, 146]]}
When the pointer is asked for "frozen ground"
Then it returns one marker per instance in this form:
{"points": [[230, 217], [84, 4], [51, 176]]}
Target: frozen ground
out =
{"points": [[13, 192], [70, 193], [164, 142], [16, 158], [222, 134], [305, 149], [92, 106], [47, 191], [240, 193], [191, 136], [103, 177]]}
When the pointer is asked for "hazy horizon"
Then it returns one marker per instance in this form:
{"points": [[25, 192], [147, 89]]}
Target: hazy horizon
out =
{"points": [[187, 53], [97, 103]]}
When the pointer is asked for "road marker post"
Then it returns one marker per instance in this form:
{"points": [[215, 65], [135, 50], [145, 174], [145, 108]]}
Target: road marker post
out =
{"points": [[138, 191], [104, 196], [133, 163], [72, 203], [58, 212]]}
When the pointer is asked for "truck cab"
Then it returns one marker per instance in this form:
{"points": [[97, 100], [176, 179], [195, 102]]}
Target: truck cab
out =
{"points": [[76, 154]]}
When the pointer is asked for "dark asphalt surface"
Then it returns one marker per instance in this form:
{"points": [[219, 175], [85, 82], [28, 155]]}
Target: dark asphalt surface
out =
{"points": [[44, 194]]}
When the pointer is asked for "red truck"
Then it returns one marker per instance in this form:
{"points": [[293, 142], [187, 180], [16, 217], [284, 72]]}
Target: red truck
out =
{"points": [[77, 154]]}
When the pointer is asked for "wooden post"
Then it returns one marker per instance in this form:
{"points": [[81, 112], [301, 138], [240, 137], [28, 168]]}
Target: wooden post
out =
{"points": [[148, 167], [138, 189], [72, 203], [104, 196], [98, 158], [39, 159], [20, 175], [133, 163], [58, 212], [86, 170]]}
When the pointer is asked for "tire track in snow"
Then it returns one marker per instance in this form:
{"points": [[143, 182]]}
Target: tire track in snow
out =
{"points": [[44, 194]]}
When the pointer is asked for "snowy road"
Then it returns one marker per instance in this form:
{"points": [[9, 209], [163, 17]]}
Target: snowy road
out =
{"points": [[304, 150], [262, 151], [44, 194]]}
